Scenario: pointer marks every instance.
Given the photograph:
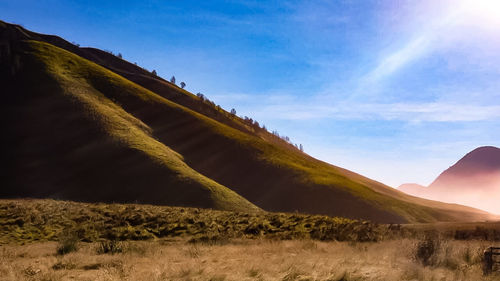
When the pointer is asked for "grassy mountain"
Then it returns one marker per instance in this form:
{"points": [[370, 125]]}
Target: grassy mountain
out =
{"points": [[65, 139], [82, 124]]}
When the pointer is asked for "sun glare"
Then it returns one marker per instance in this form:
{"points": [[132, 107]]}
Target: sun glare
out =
{"points": [[484, 12]]}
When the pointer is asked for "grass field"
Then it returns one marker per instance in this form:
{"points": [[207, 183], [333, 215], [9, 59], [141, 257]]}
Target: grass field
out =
{"points": [[62, 240], [177, 259]]}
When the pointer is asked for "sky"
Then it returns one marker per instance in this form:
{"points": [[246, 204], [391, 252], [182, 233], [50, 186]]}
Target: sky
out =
{"points": [[394, 90]]}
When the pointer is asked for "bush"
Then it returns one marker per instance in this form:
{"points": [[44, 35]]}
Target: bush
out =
{"points": [[110, 247], [67, 243], [427, 248]]}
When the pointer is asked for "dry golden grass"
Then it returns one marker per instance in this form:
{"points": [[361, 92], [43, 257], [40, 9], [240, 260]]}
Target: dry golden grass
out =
{"points": [[244, 260]]}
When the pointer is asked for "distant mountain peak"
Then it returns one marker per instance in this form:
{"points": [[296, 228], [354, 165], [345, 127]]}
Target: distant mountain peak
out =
{"points": [[486, 156], [484, 159], [473, 180]]}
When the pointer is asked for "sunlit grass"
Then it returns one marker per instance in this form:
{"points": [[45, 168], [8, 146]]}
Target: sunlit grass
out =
{"points": [[85, 82], [244, 260], [23, 221]]}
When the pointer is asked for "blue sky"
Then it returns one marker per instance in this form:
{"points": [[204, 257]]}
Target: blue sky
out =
{"points": [[395, 90]]}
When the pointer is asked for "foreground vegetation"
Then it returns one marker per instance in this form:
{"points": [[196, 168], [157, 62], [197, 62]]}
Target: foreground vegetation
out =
{"points": [[24, 221], [245, 260], [62, 240]]}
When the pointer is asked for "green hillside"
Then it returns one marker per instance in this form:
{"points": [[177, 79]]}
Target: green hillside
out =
{"points": [[79, 131], [69, 140]]}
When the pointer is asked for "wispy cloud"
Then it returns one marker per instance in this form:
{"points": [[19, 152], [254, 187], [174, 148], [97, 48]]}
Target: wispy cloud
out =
{"points": [[409, 112], [285, 107], [425, 40], [460, 25], [399, 58]]}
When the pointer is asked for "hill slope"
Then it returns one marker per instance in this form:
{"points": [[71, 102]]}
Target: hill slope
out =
{"points": [[413, 189], [474, 180], [65, 139], [79, 131]]}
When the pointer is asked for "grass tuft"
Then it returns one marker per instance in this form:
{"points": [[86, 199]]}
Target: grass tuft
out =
{"points": [[110, 247], [67, 243]]}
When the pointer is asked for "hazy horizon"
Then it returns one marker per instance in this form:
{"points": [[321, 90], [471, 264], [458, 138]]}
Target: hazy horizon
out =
{"points": [[396, 91]]}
